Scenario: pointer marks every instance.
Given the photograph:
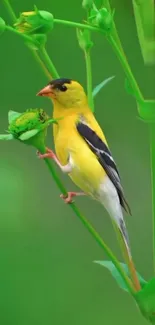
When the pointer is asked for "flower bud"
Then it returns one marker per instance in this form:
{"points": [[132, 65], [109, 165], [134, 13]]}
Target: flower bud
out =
{"points": [[28, 123], [101, 18], [104, 19], [34, 22], [84, 39], [29, 127]]}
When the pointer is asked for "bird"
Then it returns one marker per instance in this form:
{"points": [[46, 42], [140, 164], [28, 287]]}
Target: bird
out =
{"points": [[82, 151]]}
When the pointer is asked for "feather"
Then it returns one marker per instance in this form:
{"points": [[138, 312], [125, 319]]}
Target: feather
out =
{"points": [[105, 158]]}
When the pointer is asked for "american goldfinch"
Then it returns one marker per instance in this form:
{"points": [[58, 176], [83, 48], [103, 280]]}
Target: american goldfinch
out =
{"points": [[82, 150]]}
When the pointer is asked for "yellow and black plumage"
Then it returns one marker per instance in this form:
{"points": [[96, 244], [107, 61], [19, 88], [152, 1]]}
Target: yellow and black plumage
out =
{"points": [[82, 150]]}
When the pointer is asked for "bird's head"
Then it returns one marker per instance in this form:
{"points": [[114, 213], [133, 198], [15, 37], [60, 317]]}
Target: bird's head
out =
{"points": [[65, 92]]}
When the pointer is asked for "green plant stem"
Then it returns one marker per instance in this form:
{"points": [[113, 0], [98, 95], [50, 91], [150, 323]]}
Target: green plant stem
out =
{"points": [[89, 227], [89, 79], [114, 30], [117, 47], [152, 154], [145, 20], [51, 71], [49, 63], [41, 63], [24, 36], [139, 26], [112, 41], [145, 12], [126, 68], [78, 25], [10, 10], [34, 52]]}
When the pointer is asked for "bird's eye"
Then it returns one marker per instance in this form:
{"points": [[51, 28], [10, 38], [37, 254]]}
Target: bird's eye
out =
{"points": [[63, 88]]}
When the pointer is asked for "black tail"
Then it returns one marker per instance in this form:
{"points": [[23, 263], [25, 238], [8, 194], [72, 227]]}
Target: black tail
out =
{"points": [[124, 204]]}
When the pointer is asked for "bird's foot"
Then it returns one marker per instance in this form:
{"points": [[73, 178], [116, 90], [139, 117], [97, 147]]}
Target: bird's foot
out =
{"points": [[70, 195], [49, 154]]}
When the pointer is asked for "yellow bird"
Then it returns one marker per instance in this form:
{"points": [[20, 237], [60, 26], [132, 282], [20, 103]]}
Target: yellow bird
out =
{"points": [[82, 150]]}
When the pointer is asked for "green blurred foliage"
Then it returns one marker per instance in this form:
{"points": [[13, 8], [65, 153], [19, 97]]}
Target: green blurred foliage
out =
{"points": [[47, 275]]}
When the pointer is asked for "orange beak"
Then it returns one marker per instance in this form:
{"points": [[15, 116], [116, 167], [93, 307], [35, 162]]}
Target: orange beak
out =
{"points": [[46, 92]]}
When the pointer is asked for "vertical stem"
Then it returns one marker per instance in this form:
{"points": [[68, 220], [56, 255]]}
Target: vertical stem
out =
{"points": [[34, 52], [114, 30], [10, 10], [42, 149], [41, 63], [144, 13], [118, 49], [152, 152], [139, 25], [89, 79], [126, 68], [49, 64]]}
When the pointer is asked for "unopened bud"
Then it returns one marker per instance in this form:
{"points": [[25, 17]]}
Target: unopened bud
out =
{"points": [[35, 22]]}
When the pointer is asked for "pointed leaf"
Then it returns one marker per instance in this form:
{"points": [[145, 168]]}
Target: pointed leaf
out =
{"points": [[101, 85], [29, 134], [12, 115], [36, 9], [6, 137], [111, 267]]}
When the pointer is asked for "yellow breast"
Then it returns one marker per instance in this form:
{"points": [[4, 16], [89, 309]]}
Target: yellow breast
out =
{"points": [[87, 172]]}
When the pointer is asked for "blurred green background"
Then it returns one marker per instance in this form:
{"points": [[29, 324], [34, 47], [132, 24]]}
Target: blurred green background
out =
{"points": [[47, 274]]}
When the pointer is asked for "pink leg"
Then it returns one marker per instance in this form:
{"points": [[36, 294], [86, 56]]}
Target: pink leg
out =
{"points": [[68, 199], [50, 154]]}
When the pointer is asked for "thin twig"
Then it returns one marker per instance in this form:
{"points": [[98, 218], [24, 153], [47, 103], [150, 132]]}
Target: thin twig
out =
{"points": [[89, 80]]}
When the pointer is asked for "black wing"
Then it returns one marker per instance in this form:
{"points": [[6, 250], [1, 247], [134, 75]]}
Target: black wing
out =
{"points": [[105, 158]]}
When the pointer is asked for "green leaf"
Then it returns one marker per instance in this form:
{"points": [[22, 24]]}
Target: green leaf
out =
{"points": [[12, 115], [101, 85], [111, 267], [28, 134], [2, 25], [146, 300], [6, 137]]}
